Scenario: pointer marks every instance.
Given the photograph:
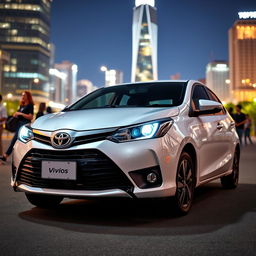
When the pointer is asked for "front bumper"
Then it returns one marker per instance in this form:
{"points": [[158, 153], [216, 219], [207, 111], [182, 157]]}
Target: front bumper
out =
{"points": [[73, 193], [127, 157]]}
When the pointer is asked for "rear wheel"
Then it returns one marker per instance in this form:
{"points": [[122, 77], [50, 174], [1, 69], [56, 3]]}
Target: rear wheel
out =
{"points": [[185, 185], [231, 181], [44, 201]]}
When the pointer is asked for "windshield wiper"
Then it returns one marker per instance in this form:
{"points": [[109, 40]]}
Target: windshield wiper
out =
{"points": [[109, 106], [159, 105]]}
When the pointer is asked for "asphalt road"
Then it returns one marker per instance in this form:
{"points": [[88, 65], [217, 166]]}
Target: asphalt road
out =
{"points": [[221, 222]]}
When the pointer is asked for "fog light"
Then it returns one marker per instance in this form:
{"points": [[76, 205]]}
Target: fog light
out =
{"points": [[151, 178], [148, 177]]}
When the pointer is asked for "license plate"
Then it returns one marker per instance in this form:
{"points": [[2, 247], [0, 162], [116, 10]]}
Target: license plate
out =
{"points": [[59, 170]]}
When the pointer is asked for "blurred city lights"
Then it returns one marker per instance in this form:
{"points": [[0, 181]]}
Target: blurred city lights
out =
{"points": [[149, 2], [103, 68], [9, 96]]}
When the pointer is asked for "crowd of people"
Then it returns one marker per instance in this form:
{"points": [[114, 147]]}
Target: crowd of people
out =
{"points": [[24, 114]]}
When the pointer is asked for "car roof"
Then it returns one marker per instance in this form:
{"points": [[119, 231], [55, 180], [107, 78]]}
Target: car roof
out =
{"points": [[154, 82]]}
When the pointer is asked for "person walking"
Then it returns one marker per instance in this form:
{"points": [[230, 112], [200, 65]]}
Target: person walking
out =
{"points": [[25, 114], [247, 129], [3, 117], [239, 118]]}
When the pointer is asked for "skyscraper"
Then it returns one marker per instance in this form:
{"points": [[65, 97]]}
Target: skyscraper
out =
{"points": [[242, 56], [24, 34], [217, 74], [144, 46]]}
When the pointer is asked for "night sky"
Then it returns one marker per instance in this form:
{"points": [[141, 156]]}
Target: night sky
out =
{"points": [[191, 33]]}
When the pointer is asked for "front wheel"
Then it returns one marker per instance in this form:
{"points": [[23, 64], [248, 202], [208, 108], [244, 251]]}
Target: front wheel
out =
{"points": [[231, 181], [44, 201], [185, 185]]}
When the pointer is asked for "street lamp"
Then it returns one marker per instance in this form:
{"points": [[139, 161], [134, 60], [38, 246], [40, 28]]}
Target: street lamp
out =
{"points": [[35, 80]]}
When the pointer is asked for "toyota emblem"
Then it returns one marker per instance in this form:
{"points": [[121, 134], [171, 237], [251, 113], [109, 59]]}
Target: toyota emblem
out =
{"points": [[61, 140]]}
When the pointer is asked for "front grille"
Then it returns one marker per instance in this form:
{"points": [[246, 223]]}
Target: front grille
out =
{"points": [[42, 138], [91, 138], [78, 140], [95, 171]]}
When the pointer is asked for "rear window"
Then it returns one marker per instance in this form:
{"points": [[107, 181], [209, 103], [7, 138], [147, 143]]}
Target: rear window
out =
{"points": [[167, 94]]}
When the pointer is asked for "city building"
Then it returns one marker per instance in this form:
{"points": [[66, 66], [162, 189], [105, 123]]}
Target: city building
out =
{"points": [[70, 90], [217, 76], [24, 34], [112, 76], [4, 60], [58, 84], [144, 41], [242, 57], [84, 87]]}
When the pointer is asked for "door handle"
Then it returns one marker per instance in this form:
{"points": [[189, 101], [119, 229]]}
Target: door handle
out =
{"points": [[232, 124], [220, 126]]}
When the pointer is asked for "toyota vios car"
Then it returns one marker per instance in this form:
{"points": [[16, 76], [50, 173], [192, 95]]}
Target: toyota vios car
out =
{"points": [[138, 140]]}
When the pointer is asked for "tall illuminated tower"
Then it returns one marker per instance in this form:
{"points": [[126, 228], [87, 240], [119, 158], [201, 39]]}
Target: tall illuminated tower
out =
{"points": [[144, 46], [242, 56]]}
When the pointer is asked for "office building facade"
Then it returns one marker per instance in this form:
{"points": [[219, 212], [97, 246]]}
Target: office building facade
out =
{"points": [[70, 90], [58, 84], [242, 58], [144, 45], [217, 76], [24, 34], [84, 87], [113, 77], [4, 60]]}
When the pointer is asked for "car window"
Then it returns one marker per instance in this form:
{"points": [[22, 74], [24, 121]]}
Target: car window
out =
{"points": [[199, 93], [213, 97]]}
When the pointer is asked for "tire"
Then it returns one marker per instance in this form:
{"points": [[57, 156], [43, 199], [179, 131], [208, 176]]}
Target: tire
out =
{"points": [[44, 201], [185, 185], [231, 181]]}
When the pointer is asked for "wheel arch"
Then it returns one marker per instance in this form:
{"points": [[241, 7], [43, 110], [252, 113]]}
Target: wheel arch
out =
{"points": [[237, 149], [190, 149]]}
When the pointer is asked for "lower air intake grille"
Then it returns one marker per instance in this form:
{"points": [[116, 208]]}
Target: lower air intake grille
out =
{"points": [[95, 171]]}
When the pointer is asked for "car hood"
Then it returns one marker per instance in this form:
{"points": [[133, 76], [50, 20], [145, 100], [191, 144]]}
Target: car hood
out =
{"points": [[91, 119]]}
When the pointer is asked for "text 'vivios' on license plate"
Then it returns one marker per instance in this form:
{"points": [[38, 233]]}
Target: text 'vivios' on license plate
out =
{"points": [[59, 170]]}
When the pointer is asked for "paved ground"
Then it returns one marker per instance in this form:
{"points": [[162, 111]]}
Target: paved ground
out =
{"points": [[221, 222]]}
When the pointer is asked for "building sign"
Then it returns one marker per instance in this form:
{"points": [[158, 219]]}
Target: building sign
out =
{"points": [[247, 15]]}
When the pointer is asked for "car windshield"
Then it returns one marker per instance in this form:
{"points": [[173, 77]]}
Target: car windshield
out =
{"points": [[167, 94]]}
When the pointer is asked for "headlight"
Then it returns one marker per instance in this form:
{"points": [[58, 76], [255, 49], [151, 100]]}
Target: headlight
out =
{"points": [[149, 130], [25, 134]]}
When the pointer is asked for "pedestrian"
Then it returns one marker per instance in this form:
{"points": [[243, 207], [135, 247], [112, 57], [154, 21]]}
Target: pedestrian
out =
{"points": [[247, 129], [239, 118], [42, 107], [25, 114], [231, 112], [3, 117], [48, 110]]}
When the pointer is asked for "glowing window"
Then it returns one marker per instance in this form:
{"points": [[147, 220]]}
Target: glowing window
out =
{"points": [[246, 32], [4, 25]]}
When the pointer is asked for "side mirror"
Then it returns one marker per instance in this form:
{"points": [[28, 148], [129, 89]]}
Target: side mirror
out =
{"points": [[205, 105], [208, 107]]}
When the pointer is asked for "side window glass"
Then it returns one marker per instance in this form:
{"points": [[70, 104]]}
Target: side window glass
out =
{"points": [[199, 93], [212, 96], [215, 98]]}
